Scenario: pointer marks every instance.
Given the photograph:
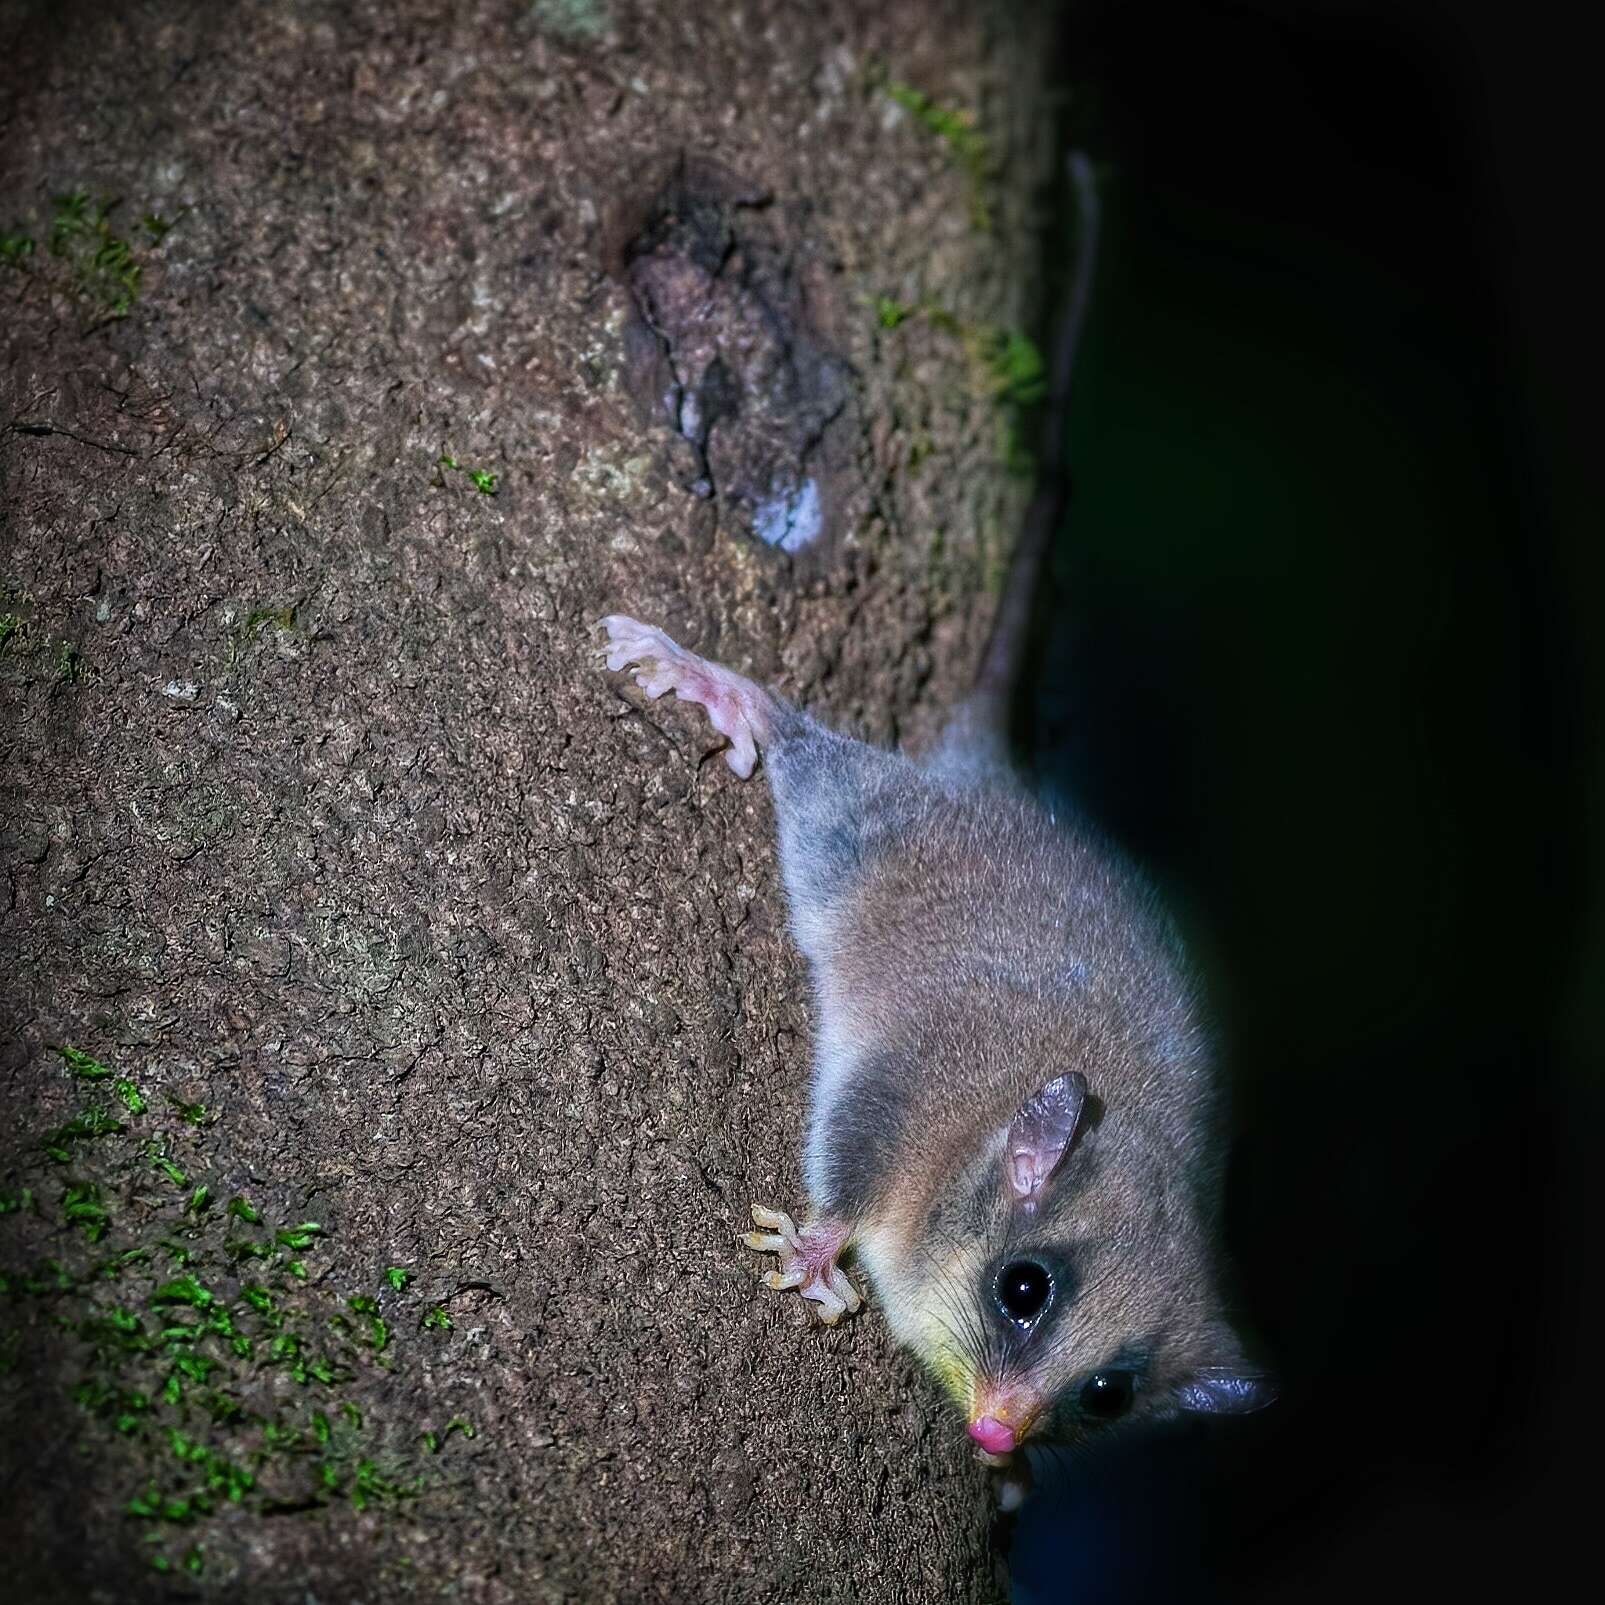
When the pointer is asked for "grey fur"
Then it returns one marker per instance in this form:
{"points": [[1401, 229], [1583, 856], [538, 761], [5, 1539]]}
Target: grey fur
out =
{"points": [[969, 949], [968, 946]]}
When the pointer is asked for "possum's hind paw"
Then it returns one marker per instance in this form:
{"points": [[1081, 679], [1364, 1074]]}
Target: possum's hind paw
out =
{"points": [[736, 707], [807, 1260]]}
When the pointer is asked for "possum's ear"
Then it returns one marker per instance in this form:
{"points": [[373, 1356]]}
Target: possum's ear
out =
{"points": [[1039, 1134], [1227, 1390]]}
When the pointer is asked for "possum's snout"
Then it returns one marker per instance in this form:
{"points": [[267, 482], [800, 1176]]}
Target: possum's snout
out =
{"points": [[993, 1435], [1001, 1416]]}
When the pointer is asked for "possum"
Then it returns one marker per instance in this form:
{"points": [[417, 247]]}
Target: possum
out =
{"points": [[1014, 1122]]}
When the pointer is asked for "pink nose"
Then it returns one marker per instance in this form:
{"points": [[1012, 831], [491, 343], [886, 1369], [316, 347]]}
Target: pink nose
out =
{"points": [[992, 1435]]}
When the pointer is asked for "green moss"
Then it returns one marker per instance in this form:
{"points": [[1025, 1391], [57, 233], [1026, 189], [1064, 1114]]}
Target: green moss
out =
{"points": [[280, 617], [105, 270], [85, 1127], [378, 1332], [434, 1442], [97, 266], [258, 619], [1019, 379], [182, 1290], [81, 1207], [45, 656], [482, 479], [1008, 368], [1019, 375], [156, 1152], [951, 124], [955, 127], [84, 1065], [175, 1345], [70, 667], [890, 313]]}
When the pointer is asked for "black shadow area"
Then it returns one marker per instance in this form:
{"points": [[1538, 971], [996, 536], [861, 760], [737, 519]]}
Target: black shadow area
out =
{"points": [[1316, 647]]}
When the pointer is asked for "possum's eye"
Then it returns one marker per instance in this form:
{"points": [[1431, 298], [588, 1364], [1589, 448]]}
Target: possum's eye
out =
{"points": [[1023, 1288], [1106, 1394]]}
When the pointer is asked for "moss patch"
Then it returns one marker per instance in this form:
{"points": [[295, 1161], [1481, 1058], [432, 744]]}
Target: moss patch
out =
{"points": [[1005, 365], [482, 479], [955, 127], [84, 255], [211, 1362]]}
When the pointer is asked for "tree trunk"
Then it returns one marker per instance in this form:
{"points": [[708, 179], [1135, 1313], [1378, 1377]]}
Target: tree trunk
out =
{"points": [[322, 815]]}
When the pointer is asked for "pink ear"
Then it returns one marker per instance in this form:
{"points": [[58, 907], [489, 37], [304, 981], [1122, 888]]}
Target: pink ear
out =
{"points": [[1039, 1135]]}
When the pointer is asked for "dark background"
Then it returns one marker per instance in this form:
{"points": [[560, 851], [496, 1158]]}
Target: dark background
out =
{"points": [[1315, 655]]}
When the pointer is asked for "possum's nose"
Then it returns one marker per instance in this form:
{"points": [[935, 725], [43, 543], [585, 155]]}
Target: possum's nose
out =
{"points": [[992, 1435]]}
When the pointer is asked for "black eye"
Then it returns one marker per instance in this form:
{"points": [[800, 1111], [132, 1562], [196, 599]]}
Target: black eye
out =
{"points": [[1023, 1288], [1106, 1394]]}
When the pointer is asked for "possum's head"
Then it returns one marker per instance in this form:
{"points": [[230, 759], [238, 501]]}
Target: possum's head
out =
{"points": [[1056, 1292]]}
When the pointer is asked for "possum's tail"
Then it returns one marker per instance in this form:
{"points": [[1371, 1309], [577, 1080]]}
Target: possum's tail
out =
{"points": [[977, 734]]}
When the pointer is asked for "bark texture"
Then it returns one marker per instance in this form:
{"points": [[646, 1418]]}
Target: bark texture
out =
{"points": [[319, 813]]}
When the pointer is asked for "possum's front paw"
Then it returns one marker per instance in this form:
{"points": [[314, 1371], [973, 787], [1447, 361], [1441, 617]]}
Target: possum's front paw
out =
{"points": [[807, 1260], [736, 707]]}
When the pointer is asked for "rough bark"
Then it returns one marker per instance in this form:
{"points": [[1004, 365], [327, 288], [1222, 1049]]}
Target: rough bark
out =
{"points": [[320, 814]]}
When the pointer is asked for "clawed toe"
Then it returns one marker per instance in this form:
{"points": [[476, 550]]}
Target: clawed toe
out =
{"points": [[765, 1242], [807, 1260], [844, 1290], [774, 1220], [736, 707]]}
